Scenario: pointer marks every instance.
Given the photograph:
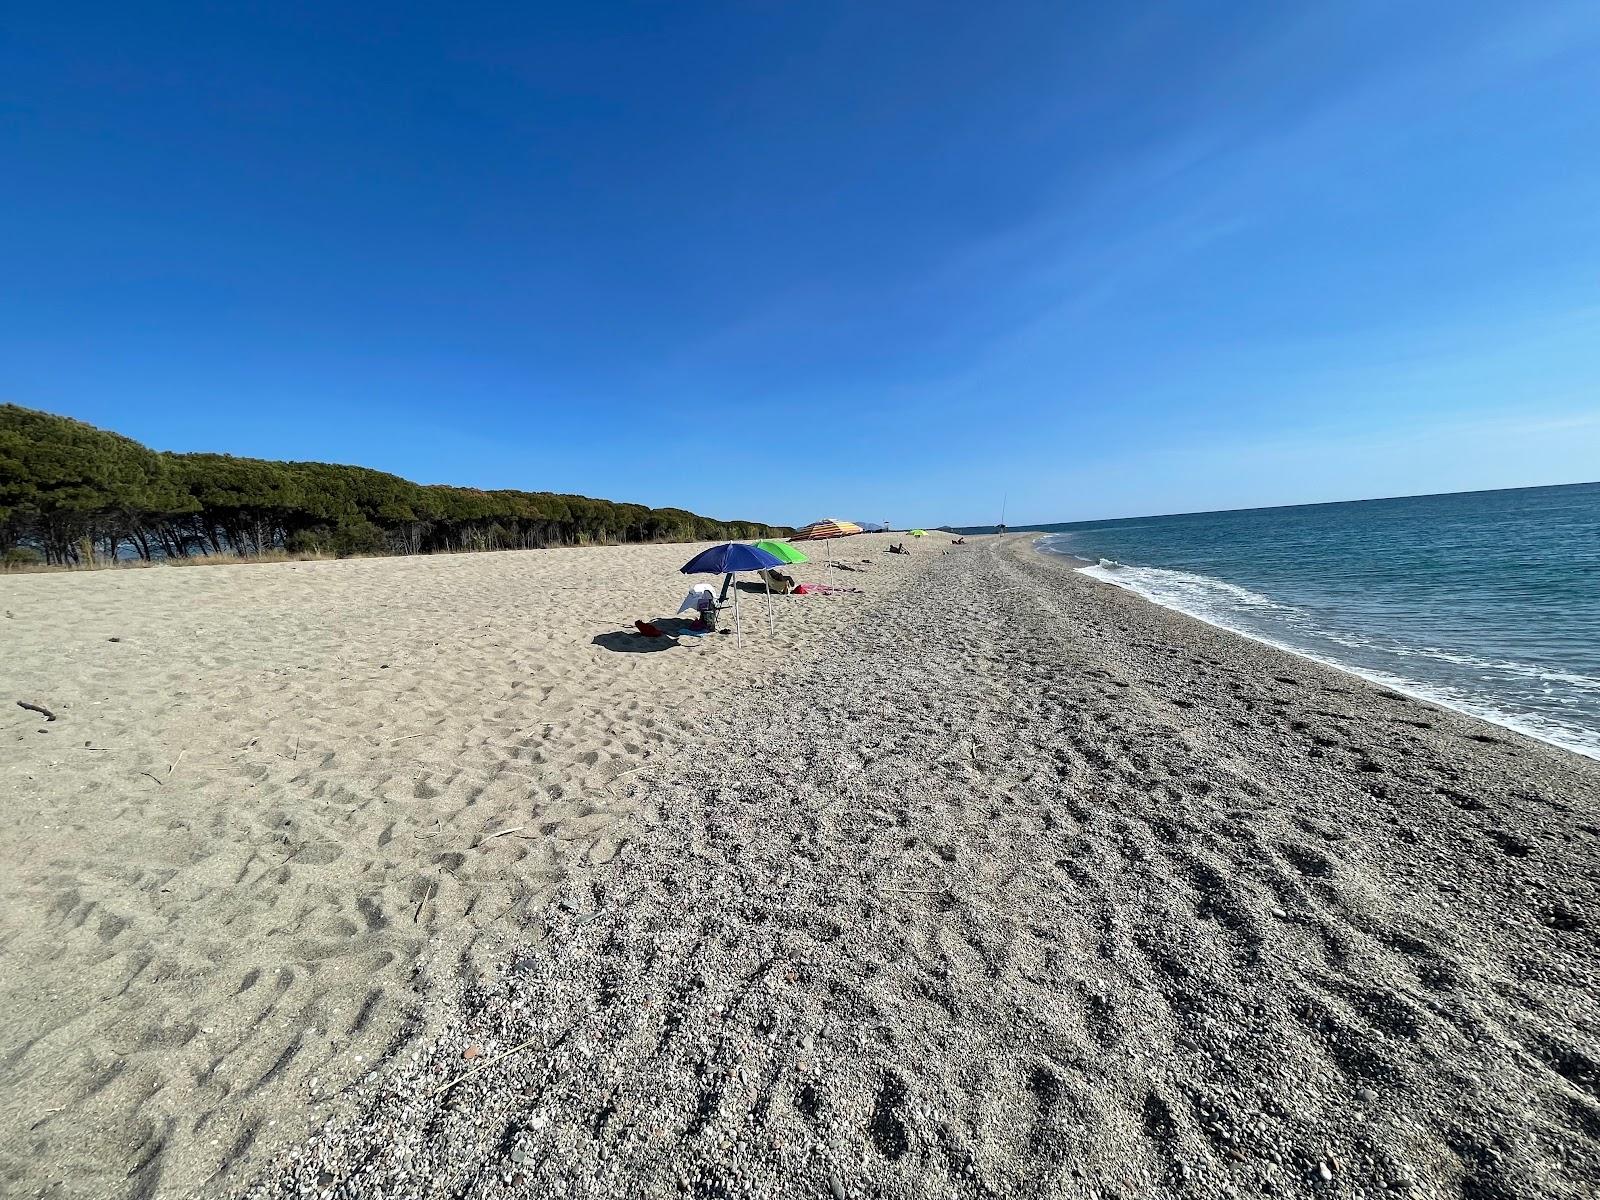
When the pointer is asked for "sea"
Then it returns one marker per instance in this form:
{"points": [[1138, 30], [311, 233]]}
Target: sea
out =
{"points": [[1486, 602]]}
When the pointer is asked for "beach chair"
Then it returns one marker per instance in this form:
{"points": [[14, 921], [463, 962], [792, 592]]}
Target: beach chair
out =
{"points": [[780, 583]]}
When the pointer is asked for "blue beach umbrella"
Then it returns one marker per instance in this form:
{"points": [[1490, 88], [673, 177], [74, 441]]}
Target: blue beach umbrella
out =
{"points": [[729, 559]]}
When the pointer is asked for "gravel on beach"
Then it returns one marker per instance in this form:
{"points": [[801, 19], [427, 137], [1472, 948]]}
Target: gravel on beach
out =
{"points": [[1032, 888]]}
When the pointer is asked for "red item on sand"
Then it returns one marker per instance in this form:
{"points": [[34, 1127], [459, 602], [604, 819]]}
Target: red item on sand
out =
{"points": [[648, 629]]}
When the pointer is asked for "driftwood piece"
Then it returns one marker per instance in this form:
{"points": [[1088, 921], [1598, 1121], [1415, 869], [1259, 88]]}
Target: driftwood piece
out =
{"points": [[497, 833], [432, 892], [38, 708], [484, 1066]]}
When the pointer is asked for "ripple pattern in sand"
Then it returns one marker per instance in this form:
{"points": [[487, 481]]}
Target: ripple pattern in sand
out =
{"points": [[262, 821]]}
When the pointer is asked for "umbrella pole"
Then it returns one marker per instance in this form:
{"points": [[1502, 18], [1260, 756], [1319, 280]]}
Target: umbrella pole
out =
{"points": [[771, 628], [738, 634]]}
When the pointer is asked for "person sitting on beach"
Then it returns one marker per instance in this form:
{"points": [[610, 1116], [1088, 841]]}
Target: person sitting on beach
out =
{"points": [[778, 581]]}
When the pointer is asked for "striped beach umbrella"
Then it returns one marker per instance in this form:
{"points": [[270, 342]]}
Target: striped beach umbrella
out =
{"points": [[830, 528]]}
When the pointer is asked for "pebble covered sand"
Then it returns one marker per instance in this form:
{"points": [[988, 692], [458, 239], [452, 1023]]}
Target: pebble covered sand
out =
{"points": [[1004, 883], [1036, 889]]}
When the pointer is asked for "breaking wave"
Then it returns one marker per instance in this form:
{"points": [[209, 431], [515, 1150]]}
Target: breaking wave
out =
{"points": [[1549, 703]]}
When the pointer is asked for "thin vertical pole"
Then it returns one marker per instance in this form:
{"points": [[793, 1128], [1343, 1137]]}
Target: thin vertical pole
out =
{"points": [[772, 628]]}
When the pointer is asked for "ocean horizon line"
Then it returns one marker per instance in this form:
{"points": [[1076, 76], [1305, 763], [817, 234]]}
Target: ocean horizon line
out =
{"points": [[1049, 526]]}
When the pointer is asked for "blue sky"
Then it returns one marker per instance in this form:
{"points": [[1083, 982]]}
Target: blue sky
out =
{"points": [[791, 260]]}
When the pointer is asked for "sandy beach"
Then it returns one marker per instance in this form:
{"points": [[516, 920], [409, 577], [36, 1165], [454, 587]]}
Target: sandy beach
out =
{"points": [[257, 825], [989, 879]]}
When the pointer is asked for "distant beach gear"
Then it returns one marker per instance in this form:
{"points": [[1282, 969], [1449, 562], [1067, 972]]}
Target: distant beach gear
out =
{"points": [[828, 528], [783, 550], [729, 559], [919, 533]]}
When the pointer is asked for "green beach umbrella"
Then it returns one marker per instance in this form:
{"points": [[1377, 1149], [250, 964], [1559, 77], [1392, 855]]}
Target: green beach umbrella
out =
{"points": [[782, 550], [919, 533]]}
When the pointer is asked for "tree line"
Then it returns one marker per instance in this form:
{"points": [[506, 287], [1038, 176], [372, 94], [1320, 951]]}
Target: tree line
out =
{"points": [[72, 494]]}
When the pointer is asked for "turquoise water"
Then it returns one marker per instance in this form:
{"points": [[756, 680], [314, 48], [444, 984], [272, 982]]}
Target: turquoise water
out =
{"points": [[1488, 602]]}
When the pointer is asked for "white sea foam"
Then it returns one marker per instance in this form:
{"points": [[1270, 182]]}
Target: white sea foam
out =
{"points": [[1287, 627]]}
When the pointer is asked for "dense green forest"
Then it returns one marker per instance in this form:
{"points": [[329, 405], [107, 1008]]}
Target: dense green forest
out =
{"points": [[72, 494]]}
